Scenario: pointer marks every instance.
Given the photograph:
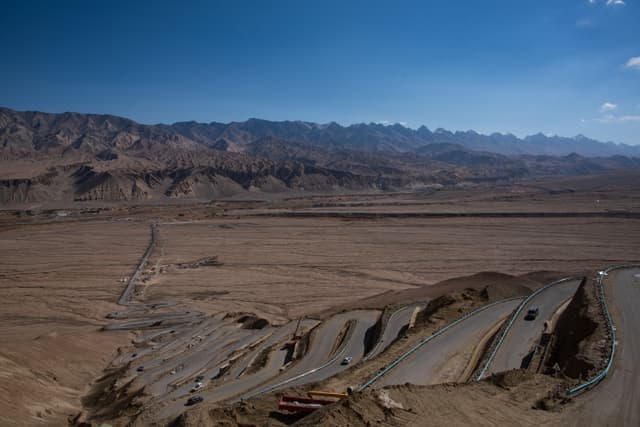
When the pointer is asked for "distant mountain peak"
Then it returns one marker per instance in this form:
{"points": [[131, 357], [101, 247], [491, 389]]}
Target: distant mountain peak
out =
{"points": [[103, 157], [380, 136]]}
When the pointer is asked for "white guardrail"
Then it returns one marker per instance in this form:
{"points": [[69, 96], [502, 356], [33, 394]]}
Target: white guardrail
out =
{"points": [[339, 353], [513, 318], [426, 340], [611, 329]]}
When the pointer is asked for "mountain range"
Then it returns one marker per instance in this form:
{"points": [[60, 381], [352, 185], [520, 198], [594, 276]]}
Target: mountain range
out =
{"points": [[85, 157], [393, 138]]}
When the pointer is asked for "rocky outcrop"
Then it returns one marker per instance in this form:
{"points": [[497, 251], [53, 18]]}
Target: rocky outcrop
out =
{"points": [[580, 340], [89, 157]]}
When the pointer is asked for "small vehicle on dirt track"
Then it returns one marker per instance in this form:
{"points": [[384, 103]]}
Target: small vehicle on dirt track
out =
{"points": [[196, 387], [346, 360]]}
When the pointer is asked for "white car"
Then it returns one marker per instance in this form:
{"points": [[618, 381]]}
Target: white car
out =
{"points": [[196, 387], [346, 360]]}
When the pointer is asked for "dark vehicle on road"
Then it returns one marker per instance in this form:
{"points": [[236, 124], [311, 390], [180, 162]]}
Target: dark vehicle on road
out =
{"points": [[199, 378], [140, 368], [346, 360], [532, 313], [193, 400]]}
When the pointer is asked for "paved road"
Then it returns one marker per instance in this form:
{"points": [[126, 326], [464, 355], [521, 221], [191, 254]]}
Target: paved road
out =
{"points": [[128, 290], [398, 320], [236, 382], [229, 385], [211, 360], [523, 334], [432, 363], [161, 320], [207, 358], [354, 348], [317, 355], [322, 343], [279, 336], [615, 401]]}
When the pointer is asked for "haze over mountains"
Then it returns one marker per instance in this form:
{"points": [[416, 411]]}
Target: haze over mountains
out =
{"points": [[79, 157], [395, 138]]}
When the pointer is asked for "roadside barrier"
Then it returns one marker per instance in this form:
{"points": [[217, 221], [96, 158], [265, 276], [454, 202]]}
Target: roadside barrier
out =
{"points": [[427, 339], [612, 333], [513, 318], [372, 352], [333, 359]]}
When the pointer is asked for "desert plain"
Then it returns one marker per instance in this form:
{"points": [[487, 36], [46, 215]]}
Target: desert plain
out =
{"points": [[276, 258]]}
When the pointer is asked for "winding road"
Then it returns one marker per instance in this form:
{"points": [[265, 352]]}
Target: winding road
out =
{"points": [[396, 322], [353, 347], [199, 346], [523, 334], [318, 362], [615, 401], [445, 357]]}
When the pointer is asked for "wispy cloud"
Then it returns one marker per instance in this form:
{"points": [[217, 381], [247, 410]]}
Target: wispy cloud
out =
{"points": [[610, 118], [610, 2], [633, 62], [608, 107], [607, 115]]}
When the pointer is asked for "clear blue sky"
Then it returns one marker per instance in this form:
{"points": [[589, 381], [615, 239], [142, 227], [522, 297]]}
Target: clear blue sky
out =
{"points": [[555, 66]]}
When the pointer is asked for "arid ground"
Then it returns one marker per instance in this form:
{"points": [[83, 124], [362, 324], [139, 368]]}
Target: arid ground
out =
{"points": [[62, 273]]}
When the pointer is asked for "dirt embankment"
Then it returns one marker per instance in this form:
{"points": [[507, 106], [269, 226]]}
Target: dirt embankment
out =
{"points": [[440, 311], [580, 343], [374, 333], [108, 399], [455, 304], [452, 405], [497, 286], [250, 321]]}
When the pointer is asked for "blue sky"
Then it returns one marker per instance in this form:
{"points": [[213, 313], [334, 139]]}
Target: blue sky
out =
{"points": [[555, 66]]}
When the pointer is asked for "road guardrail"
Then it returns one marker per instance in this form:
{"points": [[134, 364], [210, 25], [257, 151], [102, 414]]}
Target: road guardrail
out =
{"points": [[612, 333], [513, 318], [333, 359], [427, 339]]}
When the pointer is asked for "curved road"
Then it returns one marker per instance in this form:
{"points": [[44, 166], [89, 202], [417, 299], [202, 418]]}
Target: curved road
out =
{"points": [[443, 358], [398, 320], [523, 334], [319, 352], [354, 347], [314, 366], [614, 402], [236, 381]]}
